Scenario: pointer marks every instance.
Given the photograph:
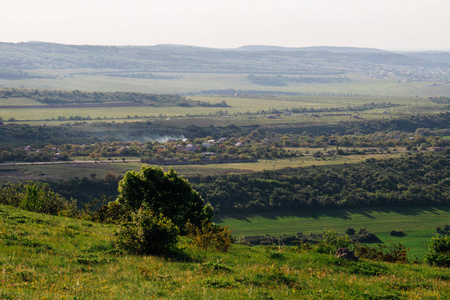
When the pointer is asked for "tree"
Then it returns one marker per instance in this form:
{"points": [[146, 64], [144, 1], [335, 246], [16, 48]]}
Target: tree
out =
{"points": [[164, 193]]}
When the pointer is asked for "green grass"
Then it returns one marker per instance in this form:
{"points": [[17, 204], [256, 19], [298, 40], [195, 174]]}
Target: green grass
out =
{"points": [[418, 223], [45, 257]]}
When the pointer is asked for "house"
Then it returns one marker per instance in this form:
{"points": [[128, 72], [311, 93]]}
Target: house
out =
{"points": [[190, 147], [239, 144], [28, 148], [207, 145], [222, 140]]}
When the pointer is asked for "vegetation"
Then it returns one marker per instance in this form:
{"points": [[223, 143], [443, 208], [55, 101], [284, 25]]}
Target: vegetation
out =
{"points": [[45, 256], [279, 155], [148, 233], [76, 96], [164, 193], [439, 251], [411, 180]]}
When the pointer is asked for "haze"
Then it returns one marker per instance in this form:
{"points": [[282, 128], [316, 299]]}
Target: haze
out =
{"points": [[385, 24]]}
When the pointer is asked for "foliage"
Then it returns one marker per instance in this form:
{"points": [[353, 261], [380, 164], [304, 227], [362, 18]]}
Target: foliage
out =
{"points": [[395, 253], [164, 193], [37, 197], [113, 212], [419, 179], [438, 253], [397, 233], [211, 235], [77, 96], [147, 233], [445, 230], [350, 231]]}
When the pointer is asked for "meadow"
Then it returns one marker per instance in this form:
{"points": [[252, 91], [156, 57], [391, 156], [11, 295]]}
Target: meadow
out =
{"points": [[46, 257]]}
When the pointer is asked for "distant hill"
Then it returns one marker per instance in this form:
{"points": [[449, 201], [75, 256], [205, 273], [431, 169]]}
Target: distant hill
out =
{"points": [[179, 58]]}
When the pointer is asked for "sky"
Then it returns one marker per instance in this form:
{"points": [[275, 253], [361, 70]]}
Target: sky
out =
{"points": [[402, 25]]}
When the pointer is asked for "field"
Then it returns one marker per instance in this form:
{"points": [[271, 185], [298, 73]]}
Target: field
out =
{"points": [[85, 167], [418, 223], [195, 82], [44, 256], [241, 112]]}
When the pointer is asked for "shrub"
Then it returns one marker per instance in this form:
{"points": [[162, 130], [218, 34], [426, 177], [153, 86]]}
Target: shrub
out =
{"points": [[350, 231], [438, 253], [332, 241], [445, 230], [397, 233], [164, 193], [113, 212], [148, 233], [211, 235], [39, 197], [395, 253]]}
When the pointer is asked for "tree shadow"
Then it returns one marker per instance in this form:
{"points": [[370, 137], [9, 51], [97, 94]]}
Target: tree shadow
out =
{"points": [[344, 214]]}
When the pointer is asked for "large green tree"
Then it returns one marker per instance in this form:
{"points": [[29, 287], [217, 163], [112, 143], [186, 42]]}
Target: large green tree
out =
{"points": [[164, 193]]}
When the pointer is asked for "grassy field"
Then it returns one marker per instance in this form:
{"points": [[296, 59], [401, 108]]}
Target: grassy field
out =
{"points": [[195, 82], [206, 116], [46, 257], [418, 223]]}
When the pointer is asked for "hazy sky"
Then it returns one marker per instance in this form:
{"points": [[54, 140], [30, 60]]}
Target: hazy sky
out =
{"points": [[385, 24]]}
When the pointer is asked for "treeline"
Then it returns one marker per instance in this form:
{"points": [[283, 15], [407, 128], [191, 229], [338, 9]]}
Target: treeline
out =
{"points": [[12, 74], [279, 80], [418, 179], [440, 100], [77, 96]]}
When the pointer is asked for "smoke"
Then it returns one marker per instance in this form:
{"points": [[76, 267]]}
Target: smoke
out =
{"points": [[162, 139]]}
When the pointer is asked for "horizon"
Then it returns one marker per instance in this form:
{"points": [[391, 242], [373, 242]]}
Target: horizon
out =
{"points": [[403, 25], [231, 48]]}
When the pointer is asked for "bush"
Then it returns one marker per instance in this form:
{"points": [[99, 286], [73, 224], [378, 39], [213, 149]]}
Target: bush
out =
{"points": [[211, 235], [350, 231], [39, 197], [164, 193], [36, 197], [397, 233], [438, 253], [445, 230], [113, 212], [395, 253], [148, 233]]}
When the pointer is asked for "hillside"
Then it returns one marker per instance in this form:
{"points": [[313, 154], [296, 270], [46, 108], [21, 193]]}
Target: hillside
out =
{"points": [[177, 58], [45, 256]]}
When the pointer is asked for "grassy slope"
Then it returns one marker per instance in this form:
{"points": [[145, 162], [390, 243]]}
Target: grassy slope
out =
{"points": [[54, 257], [418, 223]]}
